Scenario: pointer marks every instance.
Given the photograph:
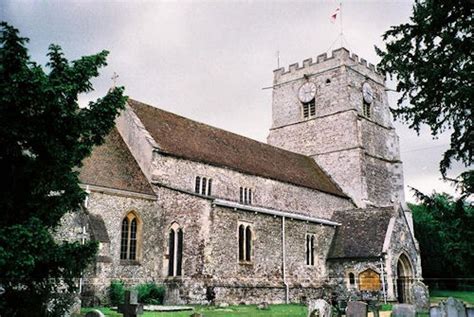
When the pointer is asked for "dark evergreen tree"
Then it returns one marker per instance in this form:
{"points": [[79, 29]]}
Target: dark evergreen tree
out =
{"points": [[431, 58], [444, 228], [44, 136]]}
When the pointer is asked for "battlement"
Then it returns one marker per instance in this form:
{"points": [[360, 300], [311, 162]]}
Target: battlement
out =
{"points": [[341, 54]]}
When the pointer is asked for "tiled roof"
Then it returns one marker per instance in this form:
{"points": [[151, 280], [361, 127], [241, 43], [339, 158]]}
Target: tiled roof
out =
{"points": [[112, 165], [361, 234], [196, 141]]}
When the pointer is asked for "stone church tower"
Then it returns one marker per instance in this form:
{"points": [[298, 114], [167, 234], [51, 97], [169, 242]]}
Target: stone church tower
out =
{"points": [[335, 110]]}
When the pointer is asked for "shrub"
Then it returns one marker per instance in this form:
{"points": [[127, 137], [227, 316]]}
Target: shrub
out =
{"points": [[116, 292], [150, 293]]}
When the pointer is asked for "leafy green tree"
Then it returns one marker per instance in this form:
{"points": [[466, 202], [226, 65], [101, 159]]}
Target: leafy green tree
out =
{"points": [[431, 58], [44, 136], [444, 228]]}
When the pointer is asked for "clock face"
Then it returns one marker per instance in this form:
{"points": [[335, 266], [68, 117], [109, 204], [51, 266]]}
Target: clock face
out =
{"points": [[307, 92], [367, 93]]}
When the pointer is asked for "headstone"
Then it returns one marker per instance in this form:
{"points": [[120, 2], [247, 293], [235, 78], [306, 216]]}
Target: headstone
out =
{"points": [[403, 310], [435, 311], [223, 305], [131, 308], [95, 313], [263, 306], [319, 308], [75, 308], [356, 309], [452, 308], [470, 311], [420, 296]]}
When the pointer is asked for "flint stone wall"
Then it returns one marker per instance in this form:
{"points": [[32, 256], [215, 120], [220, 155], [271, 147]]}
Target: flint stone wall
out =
{"points": [[181, 174]]}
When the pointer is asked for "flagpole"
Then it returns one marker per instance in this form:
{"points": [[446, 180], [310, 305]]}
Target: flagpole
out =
{"points": [[340, 25]]}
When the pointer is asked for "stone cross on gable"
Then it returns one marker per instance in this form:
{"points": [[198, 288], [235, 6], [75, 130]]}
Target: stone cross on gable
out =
{"points": [[131, 308], [114, 78]]}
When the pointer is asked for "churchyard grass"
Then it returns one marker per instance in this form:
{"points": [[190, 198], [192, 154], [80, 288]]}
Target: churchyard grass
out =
{"points": [[466, 296], [292, 310]]}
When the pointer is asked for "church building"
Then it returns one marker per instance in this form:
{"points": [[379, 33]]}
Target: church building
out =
{"points": [[318, 210]]}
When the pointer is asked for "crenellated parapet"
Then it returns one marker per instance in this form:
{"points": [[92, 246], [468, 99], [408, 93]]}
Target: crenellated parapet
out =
{"points": [[337, 58]]}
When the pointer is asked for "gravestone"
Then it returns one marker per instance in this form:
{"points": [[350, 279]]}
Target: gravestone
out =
{"points": [[263, 306], [470, 311], [435, 311], [452, 308], [420, 296], [356, 309], [319, 308], [131, 308], [95, 313], [403, 310]]}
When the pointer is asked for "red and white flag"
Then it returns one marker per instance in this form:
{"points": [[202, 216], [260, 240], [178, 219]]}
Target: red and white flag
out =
{"points": [[334, 15]]}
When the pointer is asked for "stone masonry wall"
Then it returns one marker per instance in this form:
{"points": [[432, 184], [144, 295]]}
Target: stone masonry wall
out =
{"points": [[112, 209], [340, 138], [179, 173]]}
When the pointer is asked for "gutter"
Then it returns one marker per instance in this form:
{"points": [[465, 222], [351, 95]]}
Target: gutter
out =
{"points": [[273, 212]]}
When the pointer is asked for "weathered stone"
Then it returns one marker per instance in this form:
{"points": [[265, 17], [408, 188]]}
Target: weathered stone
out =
{"points": [[403, 310], [131, 307], [470, 311], [263, 306], [319, 308], [223, 305], [95, 313], [356, 309], [452, 308], [420, 296], [435, 311]]}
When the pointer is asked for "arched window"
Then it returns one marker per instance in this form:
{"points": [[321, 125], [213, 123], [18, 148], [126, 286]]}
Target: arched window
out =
{"points": [[197, 186], [175, 247], [310, 241], [129, 237], [245, 243], [366, 109], [241, 242], [351, 279]]}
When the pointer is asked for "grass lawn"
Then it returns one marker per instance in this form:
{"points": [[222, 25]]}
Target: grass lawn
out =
{"points": [[231, 311], [466, 296], [292, 310]]}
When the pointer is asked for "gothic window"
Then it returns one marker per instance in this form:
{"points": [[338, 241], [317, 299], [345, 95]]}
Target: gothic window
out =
{"points": [[129, 237], [310, 241], [175, 251], [246, 196], [309, 109], [245, 243], [197, 187], [203, 186], [351, 279]]}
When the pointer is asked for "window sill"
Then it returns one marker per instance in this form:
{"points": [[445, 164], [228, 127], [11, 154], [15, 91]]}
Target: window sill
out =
{"points": [[130, 262], [246, 263]]}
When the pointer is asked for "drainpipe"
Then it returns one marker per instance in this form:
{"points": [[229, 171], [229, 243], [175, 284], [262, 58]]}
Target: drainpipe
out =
{"points": [[383, 281], [283, 250]]}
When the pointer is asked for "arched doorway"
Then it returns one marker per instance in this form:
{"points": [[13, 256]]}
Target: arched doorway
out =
{"points": [[404, 279]]}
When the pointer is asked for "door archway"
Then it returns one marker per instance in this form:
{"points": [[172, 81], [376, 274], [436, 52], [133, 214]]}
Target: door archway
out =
{"points": [[404, 278]]}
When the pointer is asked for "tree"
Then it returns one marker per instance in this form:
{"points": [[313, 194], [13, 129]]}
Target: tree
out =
{"points": [[444, 228], [44, 136], [431, 57]]}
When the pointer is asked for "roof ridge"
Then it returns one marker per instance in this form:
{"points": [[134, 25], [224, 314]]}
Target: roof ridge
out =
{"points": [[214, 139]]}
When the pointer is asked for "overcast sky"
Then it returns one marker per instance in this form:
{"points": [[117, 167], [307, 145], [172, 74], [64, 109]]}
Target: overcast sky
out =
{"points": [[209, 60]]}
